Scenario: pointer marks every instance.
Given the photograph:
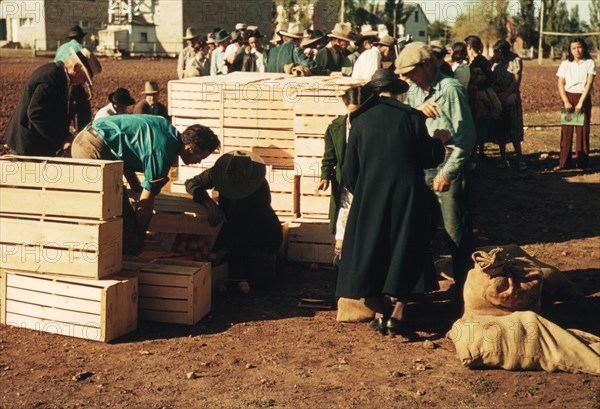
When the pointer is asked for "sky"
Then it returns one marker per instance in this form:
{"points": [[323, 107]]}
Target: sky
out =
{"points": [[448, 10]]}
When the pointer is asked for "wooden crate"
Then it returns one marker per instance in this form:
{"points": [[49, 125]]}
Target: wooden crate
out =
{"points": [[98, 310], [173, 291], [310, 241], [66, 246], [284, 191], [61, 187]]}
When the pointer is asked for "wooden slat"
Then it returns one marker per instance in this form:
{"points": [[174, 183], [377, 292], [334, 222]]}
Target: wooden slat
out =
{"points": [[257, 104], [55, 300], [308, 167], [53, 314], [194, 104], [314, 204], [308, 186], [92, 176], [162, 304], [281, 180], [327, 105], [213, 123], [159, 278], [62, 203], [311, 147], [54, 327], [260, 133], [160, 291], [195, 113], [201, 293], [283, 202], [286, 144], [254, 123], [312, 125], [238, 112], [182, 223]]}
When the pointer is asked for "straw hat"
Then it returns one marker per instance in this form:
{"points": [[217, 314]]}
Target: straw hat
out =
{"points": [[366, 30], [436, 46], [89, 62], [210, 38], [190, 33], [121, 96], [76, 32], [294, 30], [238, 174], [150, 87], [241, 26], [310, 37], [412, 55], [343, 31], [387, 41]]}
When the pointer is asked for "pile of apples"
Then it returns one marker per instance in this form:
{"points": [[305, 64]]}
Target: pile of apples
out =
{"points": [[194, 246]]}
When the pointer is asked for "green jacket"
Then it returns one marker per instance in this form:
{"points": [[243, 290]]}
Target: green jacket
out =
{"points": [[331, 164]]}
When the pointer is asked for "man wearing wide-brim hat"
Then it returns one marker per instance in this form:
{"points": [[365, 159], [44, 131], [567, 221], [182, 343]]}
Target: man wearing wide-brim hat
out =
{"points": [[290, 52], [118, 103], [439, 52], [252, 232], [333, 57], [386, 46], [150, 105], [444, 101], [369, 60], [188, 53], [80, 107], [40, 124], [312, 42], [218, 64]]}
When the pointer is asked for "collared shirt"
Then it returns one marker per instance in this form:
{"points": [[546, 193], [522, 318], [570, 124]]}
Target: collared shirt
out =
{"points": [[64, 51], [145, 143], [575, 74], [217, 62], [185, 56], [106, 110], [455, 116], [366, 65]]}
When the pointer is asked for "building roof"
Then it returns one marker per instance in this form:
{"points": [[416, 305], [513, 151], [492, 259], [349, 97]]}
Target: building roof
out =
{"points": [[407, 10]]}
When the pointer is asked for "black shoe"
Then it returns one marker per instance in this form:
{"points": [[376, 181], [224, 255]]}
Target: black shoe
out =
{"points": [[395, 326], [379, 324]]}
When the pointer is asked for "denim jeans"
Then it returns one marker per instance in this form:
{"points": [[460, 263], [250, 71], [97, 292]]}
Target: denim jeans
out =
{"points": [[457, 224]]}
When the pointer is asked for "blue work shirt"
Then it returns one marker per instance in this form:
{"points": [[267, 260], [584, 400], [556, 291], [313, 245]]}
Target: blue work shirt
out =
{"points": [[64, 51], [455, 116], [145, 143]]}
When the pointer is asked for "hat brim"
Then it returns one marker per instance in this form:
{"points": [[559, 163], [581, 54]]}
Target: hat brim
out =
{"points": [[291, 35], [126, 103], [241, 179], [397, 86], [384, 44], [150, 92], [191, 38], [405, 70], [307, 42], [222, 39], [85, 64], [340, 37]]}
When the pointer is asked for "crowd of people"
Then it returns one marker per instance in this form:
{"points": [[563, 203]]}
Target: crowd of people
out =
{"points": [[391, 185]]}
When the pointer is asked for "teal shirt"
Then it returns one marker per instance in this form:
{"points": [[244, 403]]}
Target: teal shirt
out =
{"points": [[288, 53], [146, 143], [64, 51], [455, 116]]}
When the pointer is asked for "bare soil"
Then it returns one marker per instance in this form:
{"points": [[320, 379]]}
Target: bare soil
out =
{"points": [[262, 350]]}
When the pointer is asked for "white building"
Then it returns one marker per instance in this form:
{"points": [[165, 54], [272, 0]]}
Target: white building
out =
{"points": [[414, 22]]}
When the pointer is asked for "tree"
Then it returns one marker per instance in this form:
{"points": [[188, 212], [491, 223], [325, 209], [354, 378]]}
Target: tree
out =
{"points": [[439, 30], [556, 19], [527, 22], [488, 21], [595, 22], [391, 14]]}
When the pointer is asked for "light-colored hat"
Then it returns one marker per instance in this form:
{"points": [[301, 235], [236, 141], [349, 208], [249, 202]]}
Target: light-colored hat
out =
{"points": [[241, 26], [150, 87], [343, 31], [293, 30], [238, 174], [210, 38], [436, 46], [366, 30], [310, 37], [276, 39], [387, 41], [252, 28], [190, 33], [412, 55], [89, 62]]}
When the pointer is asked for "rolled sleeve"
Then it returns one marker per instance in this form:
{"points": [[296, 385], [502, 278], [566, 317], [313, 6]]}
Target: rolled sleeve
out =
{"points": [[156, 173]]}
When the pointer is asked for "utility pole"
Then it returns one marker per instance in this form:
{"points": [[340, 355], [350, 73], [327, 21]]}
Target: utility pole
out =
{"points": [[540, 50], [342, 11]]}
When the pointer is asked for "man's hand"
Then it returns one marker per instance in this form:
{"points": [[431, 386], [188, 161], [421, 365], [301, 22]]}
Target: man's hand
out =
{"points": [[215, 215], [441, 183], [430, 109], [323, 185]]}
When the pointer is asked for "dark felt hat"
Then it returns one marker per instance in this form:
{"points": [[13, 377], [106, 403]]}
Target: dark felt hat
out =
{"points": [[238, 174], [221, 36], [384, 78], [76, 32], [121, 96]]}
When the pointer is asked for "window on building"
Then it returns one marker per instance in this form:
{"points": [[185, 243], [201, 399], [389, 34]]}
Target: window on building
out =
{"points": [[144, 37], [421, 33], [416, 16], [84, 24], [3, 29]]}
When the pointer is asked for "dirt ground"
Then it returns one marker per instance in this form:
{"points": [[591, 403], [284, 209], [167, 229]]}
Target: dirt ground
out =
{"points": [[262, 350]]}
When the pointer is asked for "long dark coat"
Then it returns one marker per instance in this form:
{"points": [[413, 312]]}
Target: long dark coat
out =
{"points": [[40, 124], [331, 164], [387, 241]]}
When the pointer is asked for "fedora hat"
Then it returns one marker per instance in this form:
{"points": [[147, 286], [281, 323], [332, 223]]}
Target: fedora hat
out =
{"points": [[210, 38], [89, 62], [310, 37], [384, 78], [221, 36], [76, 32], [150, 87], [190, 33], [276, 39], [436, 46], [241, 26], [366, 31], [293, 30], [387, 41], [238, 174], [411, 56], [121, 96], [343, 31]]}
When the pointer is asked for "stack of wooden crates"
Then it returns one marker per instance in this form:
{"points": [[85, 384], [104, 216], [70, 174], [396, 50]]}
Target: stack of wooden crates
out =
{"points": [[283, 119], [60, 246]]}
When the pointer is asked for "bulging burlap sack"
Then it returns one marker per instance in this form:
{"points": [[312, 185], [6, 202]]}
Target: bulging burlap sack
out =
{"points": [[524, 341], [364, 309], [500, 284]]}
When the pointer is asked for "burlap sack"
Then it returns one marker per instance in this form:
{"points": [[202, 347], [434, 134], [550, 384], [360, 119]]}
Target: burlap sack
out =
{"points": [[556, 284], [500, 284], [524, 341], [364, 309]]}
